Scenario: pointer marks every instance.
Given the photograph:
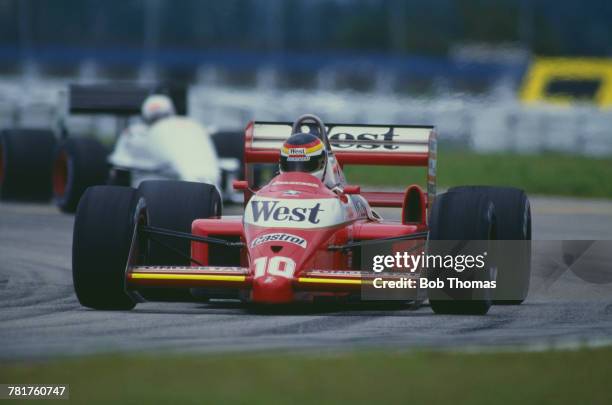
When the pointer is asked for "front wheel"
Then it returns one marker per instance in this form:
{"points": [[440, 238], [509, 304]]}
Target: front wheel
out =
{"points": [[103, 230], [461, 222], [175, 205]]}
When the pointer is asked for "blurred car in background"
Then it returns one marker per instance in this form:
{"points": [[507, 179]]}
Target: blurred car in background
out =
{"points": [[36, 164]]}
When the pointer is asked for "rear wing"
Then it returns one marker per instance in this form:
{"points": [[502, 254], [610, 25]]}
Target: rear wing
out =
{"points": [[120, 98], [353, 144]]}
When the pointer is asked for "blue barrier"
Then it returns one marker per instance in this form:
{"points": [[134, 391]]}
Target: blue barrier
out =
{"points": [[410, 65]]}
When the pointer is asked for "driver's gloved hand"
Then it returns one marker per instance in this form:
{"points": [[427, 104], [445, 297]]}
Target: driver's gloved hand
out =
{"points": [[338, 190]]}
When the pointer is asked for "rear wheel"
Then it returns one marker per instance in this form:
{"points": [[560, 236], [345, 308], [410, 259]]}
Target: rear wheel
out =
{"points": [[513, 259], [79, 163], [175, 205], [103, 230], [26, 157], [458, 217]]}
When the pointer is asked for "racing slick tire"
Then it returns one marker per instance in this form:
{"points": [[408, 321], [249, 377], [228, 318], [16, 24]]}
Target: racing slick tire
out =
{"points": [[461, 216], [103, 230], [26, 158], [513, 214], [174, 205], [79, 163]]}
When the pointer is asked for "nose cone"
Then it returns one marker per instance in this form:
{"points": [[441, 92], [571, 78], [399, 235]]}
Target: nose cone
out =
{"points": [[270, 289]]}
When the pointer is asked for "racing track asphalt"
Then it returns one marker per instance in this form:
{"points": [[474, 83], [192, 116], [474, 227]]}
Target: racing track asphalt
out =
{"points": [[40, 316]]}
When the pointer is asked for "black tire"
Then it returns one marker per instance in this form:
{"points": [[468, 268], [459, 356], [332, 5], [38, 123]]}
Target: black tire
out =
{"points": [[175, 205], [461, 216], [513, 260], [79, 163], [103, 230], [26, 159]]}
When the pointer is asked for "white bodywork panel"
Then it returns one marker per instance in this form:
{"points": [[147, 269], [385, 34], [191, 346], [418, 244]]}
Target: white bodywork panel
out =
{"points": [[174, 148], [305, 213], [351, 138], [292, 213]]}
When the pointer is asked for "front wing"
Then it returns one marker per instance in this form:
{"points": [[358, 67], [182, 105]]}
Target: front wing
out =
{"points": [[239, 278]]}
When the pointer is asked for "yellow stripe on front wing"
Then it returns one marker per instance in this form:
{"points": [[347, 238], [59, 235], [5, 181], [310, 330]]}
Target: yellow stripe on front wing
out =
{"points": [[206, 277], [328, 280]]}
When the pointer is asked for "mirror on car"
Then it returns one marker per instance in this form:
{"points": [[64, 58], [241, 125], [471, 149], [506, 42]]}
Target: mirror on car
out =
{"points": [[352, 189], [240, 185]]}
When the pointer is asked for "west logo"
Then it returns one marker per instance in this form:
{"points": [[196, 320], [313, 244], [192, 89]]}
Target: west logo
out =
{"points": [[363, 141], [272, 210]]}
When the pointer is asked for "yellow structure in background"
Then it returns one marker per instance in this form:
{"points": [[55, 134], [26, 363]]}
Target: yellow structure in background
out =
{"points": [[569, 80]]}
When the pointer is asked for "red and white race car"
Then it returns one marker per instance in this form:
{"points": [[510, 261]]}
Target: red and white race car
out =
{"points": [[298, 239]]}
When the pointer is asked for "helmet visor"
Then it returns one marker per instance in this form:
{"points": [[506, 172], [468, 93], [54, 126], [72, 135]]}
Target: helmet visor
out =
{"points": [[306, 164]]}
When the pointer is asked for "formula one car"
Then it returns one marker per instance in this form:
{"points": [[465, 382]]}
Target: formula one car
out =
{"points": [[34, 164], [299, 239]]}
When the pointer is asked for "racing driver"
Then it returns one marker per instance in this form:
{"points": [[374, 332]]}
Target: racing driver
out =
{"points": [[306, 153]]}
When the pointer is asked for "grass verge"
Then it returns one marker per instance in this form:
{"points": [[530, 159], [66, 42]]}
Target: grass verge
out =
{"points": [[553, 174], [561, 377]]}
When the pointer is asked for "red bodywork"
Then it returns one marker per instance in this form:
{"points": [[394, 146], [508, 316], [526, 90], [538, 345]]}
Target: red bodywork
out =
{"points": [[292, 224]]}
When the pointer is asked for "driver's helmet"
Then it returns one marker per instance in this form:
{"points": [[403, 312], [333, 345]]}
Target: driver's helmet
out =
{"points": [[156, 107], [303, 153]]}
